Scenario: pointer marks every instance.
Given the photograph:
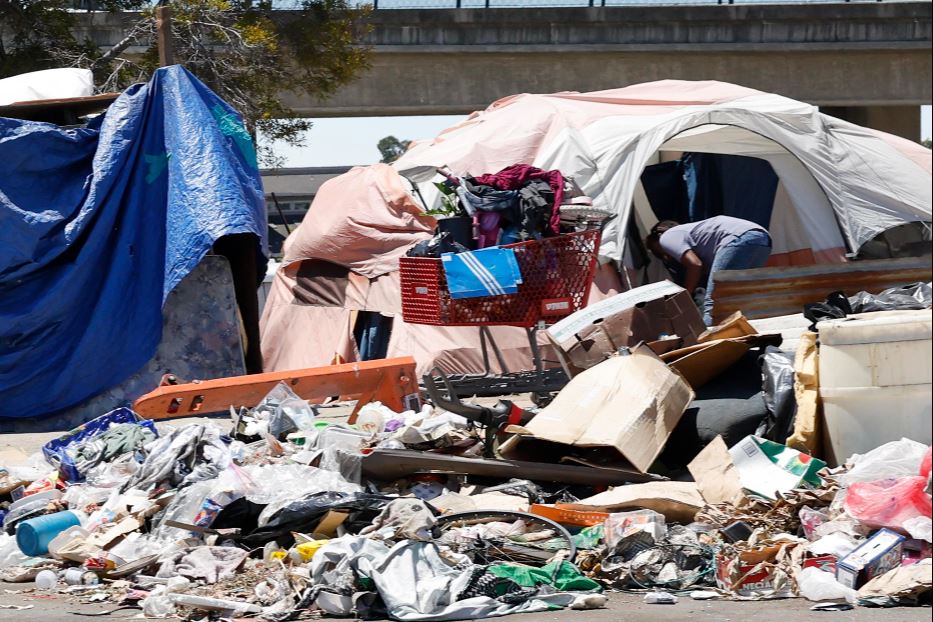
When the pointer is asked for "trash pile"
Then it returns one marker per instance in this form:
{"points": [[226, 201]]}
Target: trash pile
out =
{"points": [[203, 519], [283, 513], [273, 518]]}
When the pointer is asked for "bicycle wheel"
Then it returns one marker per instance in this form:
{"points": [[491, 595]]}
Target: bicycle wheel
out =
{"points": [[494, 536]]}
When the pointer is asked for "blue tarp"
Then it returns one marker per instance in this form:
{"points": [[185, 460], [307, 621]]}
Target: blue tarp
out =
{"points": [[98, 224]]}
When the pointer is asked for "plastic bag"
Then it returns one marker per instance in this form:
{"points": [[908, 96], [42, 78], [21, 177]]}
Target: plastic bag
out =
{"points": [[914, 296], [10, 555], [285, 411], [815, 584], [888, 503], [920, 528], [112, 474], [777, 383], [810, 519], [79, 497], [838, 544], [158, 604], [302, 515], [620, 524], [889, 461]]}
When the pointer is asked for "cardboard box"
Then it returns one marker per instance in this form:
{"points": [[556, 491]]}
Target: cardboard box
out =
{"points": [[704, 361], [766, 468], [877, 555], [653, 314], [733, 326], [623, 409]]}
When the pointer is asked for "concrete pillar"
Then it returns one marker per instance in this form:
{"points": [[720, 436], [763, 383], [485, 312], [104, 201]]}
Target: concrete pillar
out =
{"points": [[903, 121]]}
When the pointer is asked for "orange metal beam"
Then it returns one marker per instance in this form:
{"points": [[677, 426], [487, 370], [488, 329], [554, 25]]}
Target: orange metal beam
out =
{"points": [[390, 381]]}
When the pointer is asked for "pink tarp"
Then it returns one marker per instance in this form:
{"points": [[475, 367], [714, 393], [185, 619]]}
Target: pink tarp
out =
{"points": [[836, 176], [364, 220]]}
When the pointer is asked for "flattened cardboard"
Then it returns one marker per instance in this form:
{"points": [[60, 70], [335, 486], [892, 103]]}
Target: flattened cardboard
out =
{"points": [[677, 501], [622, 409], [653, 313]]}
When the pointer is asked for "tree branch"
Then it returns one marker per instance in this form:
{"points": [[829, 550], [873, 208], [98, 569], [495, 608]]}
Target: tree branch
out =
{"points": [[140, 29]]}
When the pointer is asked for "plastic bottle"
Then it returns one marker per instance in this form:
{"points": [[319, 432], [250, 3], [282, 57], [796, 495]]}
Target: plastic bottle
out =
{"points": [[80, 576]]}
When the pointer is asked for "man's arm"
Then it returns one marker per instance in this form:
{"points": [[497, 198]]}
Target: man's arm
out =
{"points": [[693, 267]]}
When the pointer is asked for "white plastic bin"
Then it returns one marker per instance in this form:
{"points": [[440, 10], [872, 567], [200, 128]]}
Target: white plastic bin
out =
{"points": [[876, 378]]}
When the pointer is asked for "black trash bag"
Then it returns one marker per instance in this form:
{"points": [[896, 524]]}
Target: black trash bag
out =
{"points": [[436, 246], [302, 515], [239, 514], [777, 384], [836, 306], [915, 296]]}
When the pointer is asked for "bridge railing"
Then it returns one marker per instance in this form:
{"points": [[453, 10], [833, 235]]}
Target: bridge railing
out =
{"points": [[518, 4]]}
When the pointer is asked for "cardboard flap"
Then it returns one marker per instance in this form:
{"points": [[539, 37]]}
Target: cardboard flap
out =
{"points": [[715, 474]]}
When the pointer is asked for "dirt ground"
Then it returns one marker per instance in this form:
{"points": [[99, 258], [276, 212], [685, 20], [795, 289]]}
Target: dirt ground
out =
{"points": [[622, 606]]}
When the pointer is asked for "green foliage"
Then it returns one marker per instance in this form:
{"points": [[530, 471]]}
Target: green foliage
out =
{"points": [[450, 205], [244, 50], [927, 143], [391, 148], [38, 34]]}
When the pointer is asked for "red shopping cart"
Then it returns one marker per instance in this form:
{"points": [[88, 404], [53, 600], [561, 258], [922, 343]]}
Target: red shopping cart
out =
{"points": [[557, 273]]}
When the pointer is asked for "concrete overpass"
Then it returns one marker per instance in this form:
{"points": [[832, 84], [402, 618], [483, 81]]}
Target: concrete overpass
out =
{"points": [[866, 62]]}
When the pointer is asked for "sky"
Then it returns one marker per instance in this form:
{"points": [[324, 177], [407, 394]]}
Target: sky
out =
{"points": [[346, 141]]}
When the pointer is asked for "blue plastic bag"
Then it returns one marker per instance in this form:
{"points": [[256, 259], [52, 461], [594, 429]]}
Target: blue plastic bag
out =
{"points": [[56, 451], [487, 272]]}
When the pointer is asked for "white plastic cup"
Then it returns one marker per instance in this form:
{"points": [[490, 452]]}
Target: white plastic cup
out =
{"points": [[46, 580]]}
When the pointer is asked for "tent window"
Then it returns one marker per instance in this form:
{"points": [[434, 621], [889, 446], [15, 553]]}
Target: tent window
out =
{"points": [[703, 185]]}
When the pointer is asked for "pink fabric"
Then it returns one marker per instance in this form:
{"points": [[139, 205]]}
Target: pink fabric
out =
{"points": [[517, 175], [364, 219], [519, 127], [487, 228], [667, 93]]}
